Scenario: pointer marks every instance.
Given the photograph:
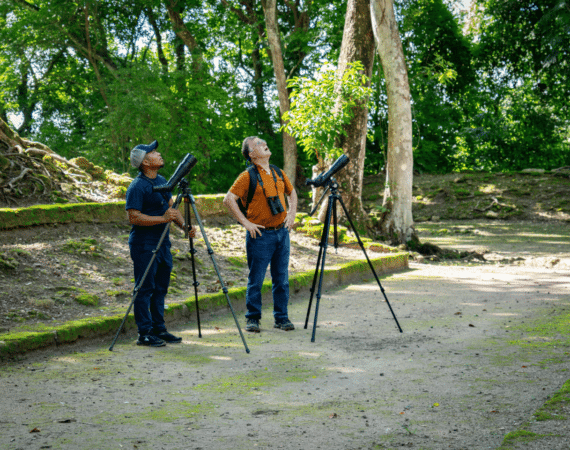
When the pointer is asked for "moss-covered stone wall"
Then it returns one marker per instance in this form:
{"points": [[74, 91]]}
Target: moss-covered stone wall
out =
{"points": [[207, 205]]}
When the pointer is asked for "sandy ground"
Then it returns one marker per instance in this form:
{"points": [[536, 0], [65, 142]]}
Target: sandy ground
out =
{"points": [[469, 368]]}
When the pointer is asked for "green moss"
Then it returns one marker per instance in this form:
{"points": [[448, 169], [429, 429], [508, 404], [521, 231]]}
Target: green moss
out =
{"points": [[87, 299], [119, 293], [542, 416], [7, 262], [291, 368], [20, 251], [520, 436], [545, 333], [555, 405]]}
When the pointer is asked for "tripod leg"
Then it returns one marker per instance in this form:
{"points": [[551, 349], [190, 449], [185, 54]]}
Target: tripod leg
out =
{"points": [[325, 240], [369, 263], [211, 253], [335, 229], [137, 288], [188, 222], [314, 281]]}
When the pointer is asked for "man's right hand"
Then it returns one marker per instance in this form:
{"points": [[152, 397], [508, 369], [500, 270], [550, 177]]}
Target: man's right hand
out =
{"points": [[170, 215], [253, 229]]}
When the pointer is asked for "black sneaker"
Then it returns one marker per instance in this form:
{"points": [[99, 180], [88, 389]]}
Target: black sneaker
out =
{"points": [[284, 324], [253, 325], [149, 340], [168, 338]]}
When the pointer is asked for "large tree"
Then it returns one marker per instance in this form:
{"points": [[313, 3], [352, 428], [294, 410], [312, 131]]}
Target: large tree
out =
{"points": [[289, 144], [398, 221], [357, 45]]}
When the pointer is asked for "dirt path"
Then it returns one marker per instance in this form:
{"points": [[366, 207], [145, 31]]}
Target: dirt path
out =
{"points": [[483, 348]]}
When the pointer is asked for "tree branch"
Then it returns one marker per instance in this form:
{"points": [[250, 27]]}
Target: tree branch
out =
{"points": [[238, 12], [159, 51], [179, 27]]}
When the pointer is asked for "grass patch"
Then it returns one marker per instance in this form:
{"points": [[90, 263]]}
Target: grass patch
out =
{"points": [[551, 410], [553, 332], [119, 293], [85, 246], [236, 261], [520, 436]]}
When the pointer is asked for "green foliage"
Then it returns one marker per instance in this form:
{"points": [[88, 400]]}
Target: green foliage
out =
{"points": [[519, 114], [320, 108], [489, 90]]}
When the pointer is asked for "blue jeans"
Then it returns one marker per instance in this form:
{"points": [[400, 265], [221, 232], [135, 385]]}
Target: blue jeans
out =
{"points": [[149, 303], [272, 247]]}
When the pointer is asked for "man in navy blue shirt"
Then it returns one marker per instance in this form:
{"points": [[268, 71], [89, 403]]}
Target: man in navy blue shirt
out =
{"points": [[148, 213]]}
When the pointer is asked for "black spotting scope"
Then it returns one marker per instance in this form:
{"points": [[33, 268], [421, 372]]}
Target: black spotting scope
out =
{"points": [[181, 171], [323, 178]]}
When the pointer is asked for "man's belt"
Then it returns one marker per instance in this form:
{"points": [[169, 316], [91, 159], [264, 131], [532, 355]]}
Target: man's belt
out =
{"points": [[275, 228]]}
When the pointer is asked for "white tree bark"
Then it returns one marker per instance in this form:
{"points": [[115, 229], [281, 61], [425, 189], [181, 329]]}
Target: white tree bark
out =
{"points": [[289, 144], [398, 222]]}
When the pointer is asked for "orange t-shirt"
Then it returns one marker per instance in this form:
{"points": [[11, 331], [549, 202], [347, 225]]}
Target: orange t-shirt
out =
{"points": [[258, 211]]}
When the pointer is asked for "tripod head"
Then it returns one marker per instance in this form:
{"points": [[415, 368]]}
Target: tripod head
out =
{"points": [[331, 185]]}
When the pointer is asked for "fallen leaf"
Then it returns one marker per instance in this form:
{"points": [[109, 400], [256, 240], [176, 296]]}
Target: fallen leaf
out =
{"points": [[524, 367], [471, 325], [402, 413], [35, 430], [436, 404], [333, 416], [458, 313]]}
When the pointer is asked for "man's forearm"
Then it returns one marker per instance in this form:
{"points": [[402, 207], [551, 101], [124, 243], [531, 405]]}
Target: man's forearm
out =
{"points": [[292, 199], [232, 205], [146, 221]]}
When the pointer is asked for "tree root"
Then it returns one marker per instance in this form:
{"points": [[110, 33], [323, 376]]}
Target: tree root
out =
{"points": [[436, 253], [37, 151], [18, 178], [493, 203]]}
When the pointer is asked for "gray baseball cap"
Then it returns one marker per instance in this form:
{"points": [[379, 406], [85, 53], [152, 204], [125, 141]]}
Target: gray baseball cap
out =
{"points": [[139, 152]]}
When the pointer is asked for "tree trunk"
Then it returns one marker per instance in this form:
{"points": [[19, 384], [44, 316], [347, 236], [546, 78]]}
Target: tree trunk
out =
{"points": [[357, 45], [398, 223], [289, 144], [179, 27], [263, 117], [159, 51]]}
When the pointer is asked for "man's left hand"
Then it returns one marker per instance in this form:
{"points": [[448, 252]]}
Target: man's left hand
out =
{"points": [[289, 221]]}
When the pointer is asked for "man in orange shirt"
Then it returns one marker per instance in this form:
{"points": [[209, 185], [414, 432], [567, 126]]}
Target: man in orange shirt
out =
{"points": [[268, 225]]}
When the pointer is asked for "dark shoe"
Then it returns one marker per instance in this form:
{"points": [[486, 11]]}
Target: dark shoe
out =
{"points": [[284, 324], [150, 340], [253, 325], [168, 338]]}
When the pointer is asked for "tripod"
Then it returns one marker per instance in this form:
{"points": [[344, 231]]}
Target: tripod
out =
{"points": [[334, 197], [185, 193]]}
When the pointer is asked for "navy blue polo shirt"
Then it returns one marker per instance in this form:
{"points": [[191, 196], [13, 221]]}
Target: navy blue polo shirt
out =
{"points": [[141, 197]]}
